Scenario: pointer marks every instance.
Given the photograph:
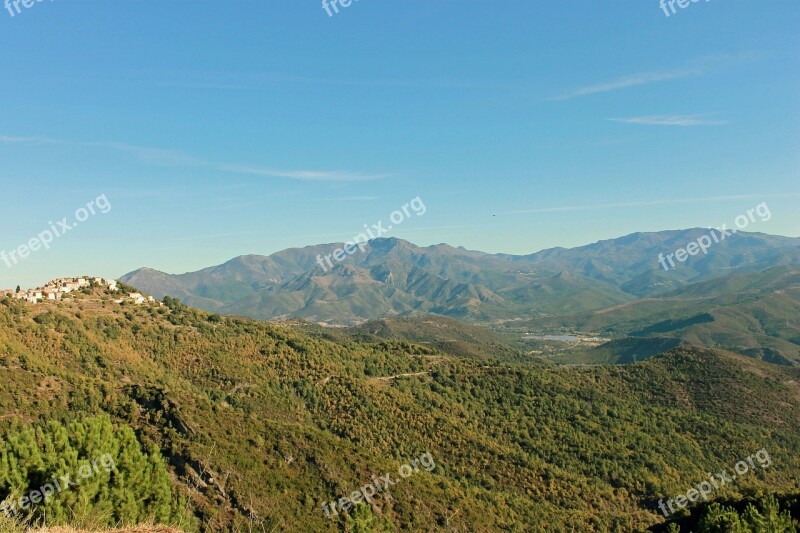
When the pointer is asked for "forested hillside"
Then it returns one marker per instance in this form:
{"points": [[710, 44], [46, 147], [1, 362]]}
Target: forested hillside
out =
{"points": [[249, 424]]}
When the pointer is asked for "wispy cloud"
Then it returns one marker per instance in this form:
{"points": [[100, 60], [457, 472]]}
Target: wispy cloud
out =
{"points": [[11, 139], [672, 120], [156, 155], [164, 157], [629, 81], [153, 155], [303, 175]]}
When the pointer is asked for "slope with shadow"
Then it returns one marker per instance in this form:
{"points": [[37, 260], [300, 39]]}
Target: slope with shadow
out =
{"points": [[445, 334]]}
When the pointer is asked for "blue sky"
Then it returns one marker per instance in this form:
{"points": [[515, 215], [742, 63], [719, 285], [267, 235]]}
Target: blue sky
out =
{"points": [[216, 129]]}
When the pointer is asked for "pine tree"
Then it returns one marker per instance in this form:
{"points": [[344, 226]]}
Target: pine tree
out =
{"points": [[104, 475]]}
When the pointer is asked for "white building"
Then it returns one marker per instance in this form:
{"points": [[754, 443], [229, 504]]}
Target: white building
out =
{"points": [[137, 298]]}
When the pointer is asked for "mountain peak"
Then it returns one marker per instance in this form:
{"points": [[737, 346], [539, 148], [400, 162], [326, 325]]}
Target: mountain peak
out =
{"points": [[386, 244]]}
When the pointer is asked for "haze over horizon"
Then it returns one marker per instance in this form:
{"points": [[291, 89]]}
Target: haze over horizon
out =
{"points": [[220, 133]]}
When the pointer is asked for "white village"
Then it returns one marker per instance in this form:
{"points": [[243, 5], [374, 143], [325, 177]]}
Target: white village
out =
{"points": [[58, 288]]}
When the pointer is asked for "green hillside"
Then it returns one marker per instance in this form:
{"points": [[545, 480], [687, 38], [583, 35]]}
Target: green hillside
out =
{"points": [[259, 424]]}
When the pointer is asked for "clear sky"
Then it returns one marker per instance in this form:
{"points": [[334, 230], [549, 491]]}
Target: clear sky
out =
{"points": [[216, 129]]}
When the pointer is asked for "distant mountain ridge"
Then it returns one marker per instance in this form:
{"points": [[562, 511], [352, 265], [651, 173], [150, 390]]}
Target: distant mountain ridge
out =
{"points": [[393, 277]]}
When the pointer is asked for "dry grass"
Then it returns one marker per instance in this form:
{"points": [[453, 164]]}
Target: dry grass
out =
{"points": [[12, 526]]}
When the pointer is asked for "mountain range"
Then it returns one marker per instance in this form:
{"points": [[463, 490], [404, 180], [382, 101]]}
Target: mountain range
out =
{"points": [[393, 277]]}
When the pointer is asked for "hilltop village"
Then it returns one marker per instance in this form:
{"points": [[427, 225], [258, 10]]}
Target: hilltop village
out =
{"points": [[58, 288]]}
